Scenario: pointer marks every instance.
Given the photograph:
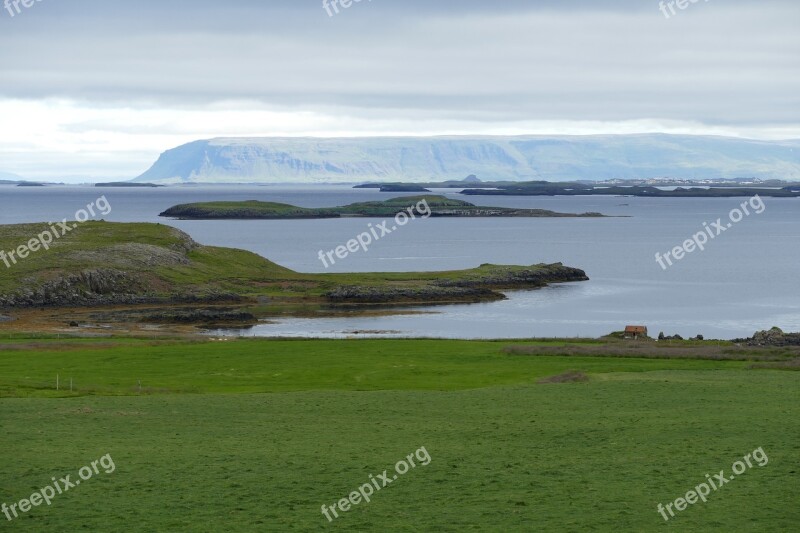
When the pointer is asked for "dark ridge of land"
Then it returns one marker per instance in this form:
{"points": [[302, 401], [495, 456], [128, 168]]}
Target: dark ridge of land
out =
{"points": [[633, 188], [126, 184], [579, 189], [402, 187], [25, 183], [431, 205], [449, 184]]}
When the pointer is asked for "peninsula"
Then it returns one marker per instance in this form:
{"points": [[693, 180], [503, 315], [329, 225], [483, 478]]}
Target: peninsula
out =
{"points": [[105, 264]]}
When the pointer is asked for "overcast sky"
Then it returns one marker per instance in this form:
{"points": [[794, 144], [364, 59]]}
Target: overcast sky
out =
{"points": [[101, 87]]}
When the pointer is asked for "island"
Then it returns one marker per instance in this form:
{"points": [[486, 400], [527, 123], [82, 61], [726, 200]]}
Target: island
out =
{"points": [[435, 206], [399, 187], [127, 184]]}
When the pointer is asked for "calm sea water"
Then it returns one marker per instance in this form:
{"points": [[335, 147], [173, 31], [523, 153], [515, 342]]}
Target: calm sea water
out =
{"points": [[744, 281]]}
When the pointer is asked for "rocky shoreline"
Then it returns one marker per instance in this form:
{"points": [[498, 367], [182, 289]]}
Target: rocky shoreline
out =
{"points": [[470, 289], [100, 288]]}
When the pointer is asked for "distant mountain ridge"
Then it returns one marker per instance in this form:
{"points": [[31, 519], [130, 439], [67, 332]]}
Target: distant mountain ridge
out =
{"points": [[515, 158], [8, 177]]}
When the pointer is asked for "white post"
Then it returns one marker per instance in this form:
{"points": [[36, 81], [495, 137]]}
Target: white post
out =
{"points": [[56, 381]]}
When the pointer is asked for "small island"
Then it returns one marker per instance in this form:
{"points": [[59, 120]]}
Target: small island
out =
{"points": [[438, 206], [127, 184], [400, 187]]}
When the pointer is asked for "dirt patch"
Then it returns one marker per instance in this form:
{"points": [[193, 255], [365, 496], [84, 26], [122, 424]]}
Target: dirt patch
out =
{"points": [[573, 376]]}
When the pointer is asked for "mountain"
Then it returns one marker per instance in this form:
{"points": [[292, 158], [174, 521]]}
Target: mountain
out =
{"points": [[8, 177], [554, 158]]}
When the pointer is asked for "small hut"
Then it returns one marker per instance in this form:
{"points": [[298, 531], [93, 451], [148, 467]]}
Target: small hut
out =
{"points": [[634, 332]]}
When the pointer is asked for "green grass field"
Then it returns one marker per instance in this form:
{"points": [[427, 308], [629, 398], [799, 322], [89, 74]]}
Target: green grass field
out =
{"points": [[256, 435]]}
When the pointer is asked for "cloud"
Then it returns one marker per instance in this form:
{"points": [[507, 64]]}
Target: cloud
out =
{"points": [[127, 76]]}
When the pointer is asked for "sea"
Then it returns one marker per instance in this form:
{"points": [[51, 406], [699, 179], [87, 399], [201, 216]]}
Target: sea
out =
{"points": [[744, 281]]}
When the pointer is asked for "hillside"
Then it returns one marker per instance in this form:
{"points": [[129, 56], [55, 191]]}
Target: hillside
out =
{"points": [[420, 159]]}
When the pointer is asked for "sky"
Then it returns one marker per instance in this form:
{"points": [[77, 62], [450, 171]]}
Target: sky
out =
{"points": [[97, 89]]}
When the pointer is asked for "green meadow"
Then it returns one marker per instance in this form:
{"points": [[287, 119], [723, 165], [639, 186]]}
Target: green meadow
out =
{"points": [[256, 435]]}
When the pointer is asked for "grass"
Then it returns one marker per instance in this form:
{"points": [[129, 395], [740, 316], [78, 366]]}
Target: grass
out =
{"points": [[596, 448], [596, 456], [258, 366]]}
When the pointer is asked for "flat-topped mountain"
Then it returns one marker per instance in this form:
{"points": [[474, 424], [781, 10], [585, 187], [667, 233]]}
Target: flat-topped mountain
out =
{"points": [[521, 158]]}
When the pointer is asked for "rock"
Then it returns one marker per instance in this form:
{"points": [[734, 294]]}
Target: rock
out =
{"points": [[99, 287], [382, 295], [773, 337]]}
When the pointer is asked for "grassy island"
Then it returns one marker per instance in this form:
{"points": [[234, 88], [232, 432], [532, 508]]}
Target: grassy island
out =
{"points": [[439, 206]]}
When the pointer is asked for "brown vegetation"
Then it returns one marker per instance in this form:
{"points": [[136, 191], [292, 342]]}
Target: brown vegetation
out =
{"points": [[652, 350], [573, 376]]}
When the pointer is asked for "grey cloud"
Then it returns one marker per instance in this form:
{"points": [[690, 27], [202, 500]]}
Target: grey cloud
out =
{"points": [[718, 62]]}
